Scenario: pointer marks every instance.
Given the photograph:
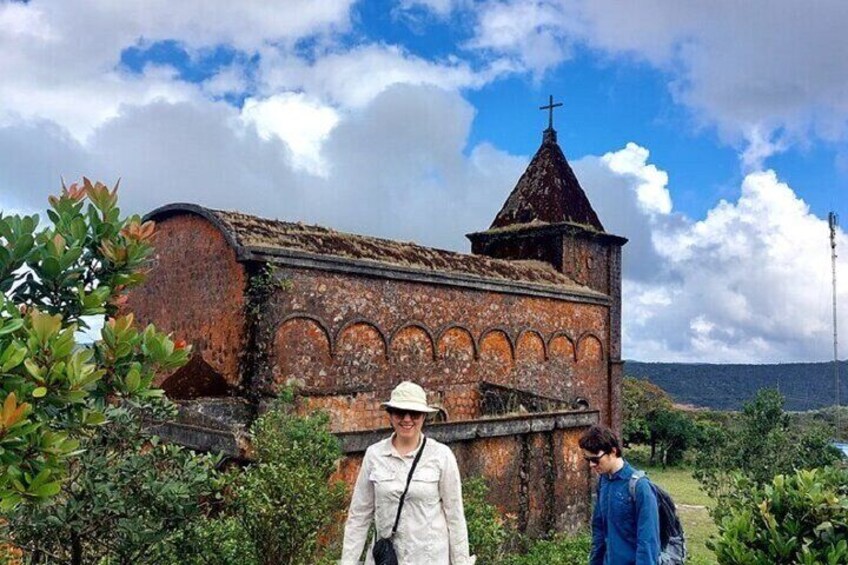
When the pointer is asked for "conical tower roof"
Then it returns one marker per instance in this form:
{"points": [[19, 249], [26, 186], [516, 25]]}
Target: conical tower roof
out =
{"points": [[548, 192]]}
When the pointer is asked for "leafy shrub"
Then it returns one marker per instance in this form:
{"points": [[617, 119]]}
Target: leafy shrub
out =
{"points": [[802, 518], [54, 392], [494, 539], [489, 534], [213, 540], [563, 549], [128, 499], [285, 501], [640, 399]]}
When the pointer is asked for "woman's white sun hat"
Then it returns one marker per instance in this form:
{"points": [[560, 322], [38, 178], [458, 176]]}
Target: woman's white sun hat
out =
{"points": [[409, 396]]}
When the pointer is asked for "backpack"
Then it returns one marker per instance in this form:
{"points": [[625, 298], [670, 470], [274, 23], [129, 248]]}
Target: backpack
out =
{"points": [[672, 540]]}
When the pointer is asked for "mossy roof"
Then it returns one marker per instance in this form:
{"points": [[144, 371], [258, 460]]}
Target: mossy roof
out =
{"points": [[256, 233]]}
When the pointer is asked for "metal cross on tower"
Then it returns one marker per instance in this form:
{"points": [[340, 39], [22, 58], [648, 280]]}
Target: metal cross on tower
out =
{"points": [[550, 108]]}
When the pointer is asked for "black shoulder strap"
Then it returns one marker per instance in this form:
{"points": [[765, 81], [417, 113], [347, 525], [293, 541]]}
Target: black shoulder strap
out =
{"points": [[408, 480]]}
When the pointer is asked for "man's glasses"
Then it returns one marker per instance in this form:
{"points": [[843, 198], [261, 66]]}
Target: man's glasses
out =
{"points": [[594, 459], [401, 414]]}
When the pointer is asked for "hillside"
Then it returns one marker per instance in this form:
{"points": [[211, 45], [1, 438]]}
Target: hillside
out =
{"points": [[806, 386]]}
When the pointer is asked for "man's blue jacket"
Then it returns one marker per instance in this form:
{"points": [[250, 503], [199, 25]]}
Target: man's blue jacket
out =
{"points": [[625, 531]]}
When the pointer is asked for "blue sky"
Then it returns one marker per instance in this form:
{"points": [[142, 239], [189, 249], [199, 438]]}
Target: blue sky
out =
{"points": [[711, 134]]}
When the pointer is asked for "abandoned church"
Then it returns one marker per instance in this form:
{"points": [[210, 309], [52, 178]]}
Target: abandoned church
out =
{"points": [[518, 342]]}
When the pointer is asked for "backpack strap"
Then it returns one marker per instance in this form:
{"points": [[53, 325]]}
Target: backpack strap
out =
{"points": [[634, 478]]}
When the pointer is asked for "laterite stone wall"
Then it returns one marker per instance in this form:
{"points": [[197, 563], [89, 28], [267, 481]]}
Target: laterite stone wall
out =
{"points": [[196, 290], [348, 340]]}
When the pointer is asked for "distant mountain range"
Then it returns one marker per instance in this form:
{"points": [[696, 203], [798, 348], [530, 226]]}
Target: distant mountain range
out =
{"points": [[806, 386]]}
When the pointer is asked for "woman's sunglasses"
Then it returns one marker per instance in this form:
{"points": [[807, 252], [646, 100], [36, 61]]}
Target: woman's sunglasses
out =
{"points": [[404, 413]]}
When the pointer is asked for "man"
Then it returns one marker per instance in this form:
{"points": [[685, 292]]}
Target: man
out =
{"points": [[624, 531]]}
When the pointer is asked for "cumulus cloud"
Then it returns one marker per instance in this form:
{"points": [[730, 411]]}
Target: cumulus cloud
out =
{"points": [[530, 32], [756, 70], [61, 61], [303, 124], [354, 77], [399, 167], [748, 283]]}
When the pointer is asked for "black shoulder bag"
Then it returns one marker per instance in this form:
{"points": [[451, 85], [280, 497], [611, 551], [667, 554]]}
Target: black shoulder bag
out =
{"points": [[384, 549]]}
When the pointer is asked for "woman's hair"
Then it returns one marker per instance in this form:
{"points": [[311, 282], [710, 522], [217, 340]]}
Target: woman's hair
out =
{"points": [[600, 438]]}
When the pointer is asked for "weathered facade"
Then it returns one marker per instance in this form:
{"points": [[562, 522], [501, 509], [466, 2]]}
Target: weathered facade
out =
{"points": [[518, 343]]}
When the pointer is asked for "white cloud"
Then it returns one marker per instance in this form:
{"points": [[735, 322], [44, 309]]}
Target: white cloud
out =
{"points": [[353, 78], [651, 183], [439, 7], [756, 69], [749, 283], [295, 119], [532, 33], [60, 60], [397, 167], [629, 196]]}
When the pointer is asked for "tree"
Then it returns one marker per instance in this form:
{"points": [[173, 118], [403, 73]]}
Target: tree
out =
{"points": [[761, 446], [672, 432], [641, 399], [55, 392]]}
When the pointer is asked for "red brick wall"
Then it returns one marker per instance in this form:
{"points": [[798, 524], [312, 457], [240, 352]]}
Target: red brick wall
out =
{"points": [[196, 291], [347, 340]]}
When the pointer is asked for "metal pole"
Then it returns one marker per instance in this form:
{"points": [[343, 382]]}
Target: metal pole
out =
{"points": [[832, 220]]}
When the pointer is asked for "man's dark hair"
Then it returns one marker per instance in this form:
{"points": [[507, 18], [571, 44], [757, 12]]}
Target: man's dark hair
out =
{"points": [[600, 438]]}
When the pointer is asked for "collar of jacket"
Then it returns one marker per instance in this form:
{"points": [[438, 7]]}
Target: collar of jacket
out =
{"points": [[389, 448], [622, 474]]}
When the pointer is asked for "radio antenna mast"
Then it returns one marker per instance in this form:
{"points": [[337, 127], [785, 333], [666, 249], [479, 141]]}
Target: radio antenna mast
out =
{"points": [[832, 221]]}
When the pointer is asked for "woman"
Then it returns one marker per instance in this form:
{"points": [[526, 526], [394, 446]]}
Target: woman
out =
{"points": [[432, 527]]}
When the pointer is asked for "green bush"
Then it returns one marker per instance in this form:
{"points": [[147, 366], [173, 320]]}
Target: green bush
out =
{"points": [[495, 540], [563, 549], [802, 518], [218, 540], [53, 392], [640, 399], [284, 502], [489, 534], [128, 498]]}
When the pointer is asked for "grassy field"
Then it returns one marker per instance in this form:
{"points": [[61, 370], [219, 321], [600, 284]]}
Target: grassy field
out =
{"points": [[692, 508]]}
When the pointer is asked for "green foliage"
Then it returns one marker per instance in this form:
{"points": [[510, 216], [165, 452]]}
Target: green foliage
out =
{"points": [[563, 549], [800, 518], [285, 501], [640, 399], [54, 392], [216, 540], [672, 432], [649, 417], [489, 534], [833, 419], [760, 446], [128, 499]]}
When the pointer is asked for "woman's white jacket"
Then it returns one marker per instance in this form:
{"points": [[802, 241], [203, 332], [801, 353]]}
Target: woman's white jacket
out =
{"points": [[432, 528]]}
